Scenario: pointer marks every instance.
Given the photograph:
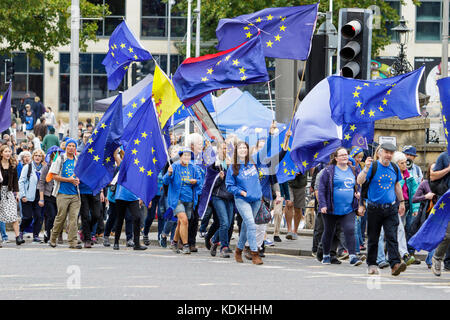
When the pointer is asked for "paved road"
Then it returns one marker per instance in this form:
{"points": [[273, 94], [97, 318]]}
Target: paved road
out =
{"points": [[40, 272]]}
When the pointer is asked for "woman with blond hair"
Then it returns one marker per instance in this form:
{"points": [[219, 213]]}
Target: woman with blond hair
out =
{"points": [[9, 191], [29, 195]]}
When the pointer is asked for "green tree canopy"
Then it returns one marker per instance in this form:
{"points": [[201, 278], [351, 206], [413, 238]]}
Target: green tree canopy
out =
{"points": [[40, 26]]}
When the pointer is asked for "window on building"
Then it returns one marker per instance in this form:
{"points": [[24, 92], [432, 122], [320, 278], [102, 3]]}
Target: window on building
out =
{"points": [[109, 23], [92, 84], [428, 21], [154, 20], [396, 5], [26, 77], [148, 67]]}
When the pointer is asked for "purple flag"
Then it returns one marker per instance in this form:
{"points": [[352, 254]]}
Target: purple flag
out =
{"points": [[5, 110]]}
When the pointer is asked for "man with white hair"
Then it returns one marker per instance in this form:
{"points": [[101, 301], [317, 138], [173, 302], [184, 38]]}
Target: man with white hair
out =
{"points": [[194, 142], [384, 193]]}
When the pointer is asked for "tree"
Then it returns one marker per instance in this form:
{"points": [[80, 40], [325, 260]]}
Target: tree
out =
{"points": [[213, 11], [41, 26]]}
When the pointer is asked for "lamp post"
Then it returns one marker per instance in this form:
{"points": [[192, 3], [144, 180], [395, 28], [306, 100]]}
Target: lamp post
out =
{"points": [[401, 64]]}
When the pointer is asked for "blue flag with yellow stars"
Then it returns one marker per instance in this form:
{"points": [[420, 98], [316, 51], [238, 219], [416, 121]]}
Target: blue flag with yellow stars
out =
{"points": [[432, 232], [444, 93], [124, 48], [315, 136], [134, 104], [286, 32], [239, 66], [286, 168], [5, 109], [356, 101], [95, 166], [145, 154], [358, 134]]}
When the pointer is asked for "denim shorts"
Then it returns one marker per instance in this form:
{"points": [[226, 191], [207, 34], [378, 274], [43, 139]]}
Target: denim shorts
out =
{"points": [[186, 207]]}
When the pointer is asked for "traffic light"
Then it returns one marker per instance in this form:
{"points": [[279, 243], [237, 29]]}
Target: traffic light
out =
{"points": [[136, 73], [355, 43], [9, 70]]}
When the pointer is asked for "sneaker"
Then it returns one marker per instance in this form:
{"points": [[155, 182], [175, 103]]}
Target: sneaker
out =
{"points": [[213, 250], [116, 246], [335, 260], [436, 266], [202, 234], [447, 268], [78, 246], [344, 255], [174, 247], [294, 236], [355, 261], [163, 241], [130, 243], [208, 244], [268, 243], [228, 250], [383, 265], [362, 257], [186, 250], [80, 235], [106, 242], [416, 261], [5, 241], [372, 270], [224, 253], [193, 249], [408, 259], [53, 245], [289, 235], [146, 240], [362, 248], [87, 245], [276, 239], [398, 268], [314, 254], [139, 247], [94, 239], [37, 240], [326, 260]]}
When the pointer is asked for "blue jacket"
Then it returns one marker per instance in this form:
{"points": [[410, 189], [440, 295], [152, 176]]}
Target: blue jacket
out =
{"points": [[27, 187], [326, 187], [247, 180], [174, 182]]}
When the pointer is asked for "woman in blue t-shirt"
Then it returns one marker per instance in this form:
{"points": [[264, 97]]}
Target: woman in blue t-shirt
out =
{"points": [[338, 203], [242, 181]]}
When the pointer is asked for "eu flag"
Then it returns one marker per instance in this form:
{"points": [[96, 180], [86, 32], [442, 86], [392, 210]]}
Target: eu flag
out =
{"points": [[356, 101], [239, 66], [432, 232], [287, 169], [315, 135], [5, 110], [124, 48], [286, 32], [444, 93], [95, 166], [357, 134], [138, 101], [145, 154]]}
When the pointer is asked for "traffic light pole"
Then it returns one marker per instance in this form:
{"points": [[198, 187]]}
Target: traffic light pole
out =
{"points": [[74, 68]]}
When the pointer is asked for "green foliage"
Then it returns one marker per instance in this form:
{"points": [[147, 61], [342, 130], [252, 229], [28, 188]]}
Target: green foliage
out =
{"points": [[40, 26], [214, 10]]}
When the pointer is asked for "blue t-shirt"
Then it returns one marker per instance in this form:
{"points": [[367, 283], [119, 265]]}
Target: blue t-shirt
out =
{"points": [[343, 190], [67, 172], [442, 162], [186, 193], [382, 187]]}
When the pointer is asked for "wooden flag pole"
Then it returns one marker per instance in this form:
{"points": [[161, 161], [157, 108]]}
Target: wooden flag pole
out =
{"points": [[297, 99]]}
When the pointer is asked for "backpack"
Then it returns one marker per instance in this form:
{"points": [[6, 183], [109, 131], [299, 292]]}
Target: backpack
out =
{"points": [[365, 186]]}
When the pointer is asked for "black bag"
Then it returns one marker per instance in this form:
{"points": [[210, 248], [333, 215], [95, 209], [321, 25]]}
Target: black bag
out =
{"points": [[439, 187], [263, 216], [300, 181]]}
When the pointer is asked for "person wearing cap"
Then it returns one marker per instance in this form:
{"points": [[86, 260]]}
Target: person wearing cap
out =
{"points": [[182, 177], [67, 194], [414, 170], [384, 203]]}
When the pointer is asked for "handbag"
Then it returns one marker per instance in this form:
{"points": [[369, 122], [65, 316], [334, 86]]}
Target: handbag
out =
{"points": [[263, 216]]}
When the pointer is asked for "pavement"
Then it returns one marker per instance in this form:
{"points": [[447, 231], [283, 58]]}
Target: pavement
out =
{"points": [[300, 247]]}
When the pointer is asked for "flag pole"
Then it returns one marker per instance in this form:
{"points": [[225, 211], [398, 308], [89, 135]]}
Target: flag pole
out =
{"points": [[297, 99], [160, 130], [270, 99]]}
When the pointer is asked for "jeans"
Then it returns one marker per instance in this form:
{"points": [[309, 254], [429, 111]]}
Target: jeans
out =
{"points": [[31, 212], [151, 213], [388, 219], [358, 240], [248, 211], [428, 260], [224, 209], [205, 220], [348, 226], [3, 231]]}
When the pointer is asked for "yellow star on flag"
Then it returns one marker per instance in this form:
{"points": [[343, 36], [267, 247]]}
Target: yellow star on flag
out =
{"points": [[441, 206], [90, 140], [91, 150], [137, 141], [130, 49], [372, 113], [149, 173], [122, 45], [316, 155], [277, 37], [358, 104], [304, 163], [227, 57], [154, 160], [242, 70], [384, 101], [141, 169], [235, 62], [355, 94], [282, 28], [204, 79], [95, 131], [136, 161], [96, 158], [366, 84], [381, 108], [283, 18], [144, 135], [134, 151], [246, 28], [248, 34], [258, 20], [389, 91], [326, 142], [269, 43], [108, 159], [142, 99], [269, 17], [362, 112], [210, 71], [103, 126], [358, 88], [353, 127], [243, 78], [129, 114], [134, 105], [347, 137]]}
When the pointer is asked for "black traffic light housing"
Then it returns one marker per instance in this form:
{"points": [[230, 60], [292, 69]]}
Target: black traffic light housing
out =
{"points": [[355, 43], [9, 70], [136, 73]]}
